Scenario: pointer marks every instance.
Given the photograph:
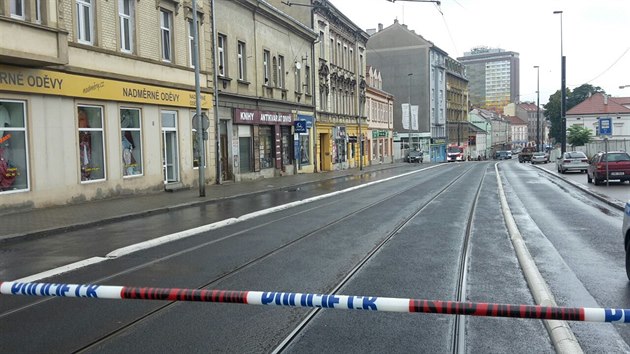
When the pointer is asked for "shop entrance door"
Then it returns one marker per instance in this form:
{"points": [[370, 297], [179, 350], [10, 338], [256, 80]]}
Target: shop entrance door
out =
{"points": [[170, 156], [325, 158]]}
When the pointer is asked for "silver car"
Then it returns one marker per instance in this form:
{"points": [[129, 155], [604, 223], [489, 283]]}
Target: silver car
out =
{"points": [[539, 157], [572, 161]]}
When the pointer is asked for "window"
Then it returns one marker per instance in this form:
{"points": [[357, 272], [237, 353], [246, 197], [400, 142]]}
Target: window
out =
{"points": [[298, 79], [17, 9], [91, 143], [241, 55], [344, 59], [351, 60], [130, 133], [221, 42], [38, 11], [280, 71], [125, 13], [84, 21], [191, 43], [287, 145], [274, 67], [332, 50], [266, 57], [14, 174], [338, 58], [166, 24], [265, 136], [322, 45], [307, 80]]}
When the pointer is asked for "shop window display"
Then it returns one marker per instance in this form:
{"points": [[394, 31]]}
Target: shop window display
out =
{"points": [[13, 146], [304, 149], [266, 146], [91, 149], [131, 141], [287, 146]]}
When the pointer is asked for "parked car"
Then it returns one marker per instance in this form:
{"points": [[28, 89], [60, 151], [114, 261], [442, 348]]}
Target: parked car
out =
{"points": [[509, 154], [539, 157], [572, 161], [625, 233], [618, 167], [415, 156]]}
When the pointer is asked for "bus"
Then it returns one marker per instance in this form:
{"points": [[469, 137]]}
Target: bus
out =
{"points": [[454, 153]]}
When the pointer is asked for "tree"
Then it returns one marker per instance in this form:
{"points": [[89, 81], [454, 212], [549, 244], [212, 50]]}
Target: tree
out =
{"points": [[575, 97], [578, 135]]}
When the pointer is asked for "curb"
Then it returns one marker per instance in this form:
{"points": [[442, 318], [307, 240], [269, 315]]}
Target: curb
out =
{"points": [[560, 333]]}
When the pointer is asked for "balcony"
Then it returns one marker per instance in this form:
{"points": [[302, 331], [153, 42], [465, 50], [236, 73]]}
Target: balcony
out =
{"points": [[45, 46]]}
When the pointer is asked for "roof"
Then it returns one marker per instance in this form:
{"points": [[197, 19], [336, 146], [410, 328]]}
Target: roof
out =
{"points": [[528, 106], [515, 120], [598, 104]]}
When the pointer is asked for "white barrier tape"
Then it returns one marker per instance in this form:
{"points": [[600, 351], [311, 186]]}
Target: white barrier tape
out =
{"points": [[330, 301]]}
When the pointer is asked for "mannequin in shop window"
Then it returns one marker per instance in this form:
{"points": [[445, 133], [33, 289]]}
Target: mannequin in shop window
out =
{"points": [[129, 162], [8, 172], [85, 146]]}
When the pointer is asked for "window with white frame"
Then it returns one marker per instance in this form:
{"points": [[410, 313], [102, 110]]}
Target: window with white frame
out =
{"points": [[91, 143], [266, 63], [126, 16], [345, 57], [280, 71], [332, 51], [298, 79], [221, 47], [14, 172], [85, 19], [166, 27], [241, 56], [17, 9], [131, 136]]}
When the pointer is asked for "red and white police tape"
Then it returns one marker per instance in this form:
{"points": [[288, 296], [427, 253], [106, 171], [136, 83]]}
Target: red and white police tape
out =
{"points": [[331, 301]]}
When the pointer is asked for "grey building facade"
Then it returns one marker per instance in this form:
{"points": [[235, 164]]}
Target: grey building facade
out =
{"points": [[414, 72]]}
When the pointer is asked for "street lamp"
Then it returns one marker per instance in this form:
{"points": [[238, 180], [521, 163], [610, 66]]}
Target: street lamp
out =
{"points": [[563, 62], [537, 107], [624, 86], [409, 137]]}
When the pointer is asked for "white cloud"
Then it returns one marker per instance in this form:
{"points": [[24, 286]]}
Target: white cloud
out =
{"points": [[595, 35]]}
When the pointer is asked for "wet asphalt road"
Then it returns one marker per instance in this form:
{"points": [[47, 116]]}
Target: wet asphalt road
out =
{"points": [[562, 227]]}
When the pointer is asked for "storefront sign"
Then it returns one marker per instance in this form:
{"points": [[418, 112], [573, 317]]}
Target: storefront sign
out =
{"points": [[307, 118], [48, 82], [248, 116], [379, 133]]}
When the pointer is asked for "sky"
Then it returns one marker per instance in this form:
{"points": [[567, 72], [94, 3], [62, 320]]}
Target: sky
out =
{"points": [[595, 36]]}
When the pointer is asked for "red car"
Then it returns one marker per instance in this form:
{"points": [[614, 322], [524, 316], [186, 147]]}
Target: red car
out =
{"points": [[618, 167]]}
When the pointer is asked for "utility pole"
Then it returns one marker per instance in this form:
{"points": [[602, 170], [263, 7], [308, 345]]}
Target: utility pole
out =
{"points": [[537, 107], [199, 120]]}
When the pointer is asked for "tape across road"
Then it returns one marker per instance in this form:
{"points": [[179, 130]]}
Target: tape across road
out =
{"points": [[330, 301]]}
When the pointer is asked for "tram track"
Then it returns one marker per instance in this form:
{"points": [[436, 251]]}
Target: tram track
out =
{"points": [[261, 258], [130, 324]]}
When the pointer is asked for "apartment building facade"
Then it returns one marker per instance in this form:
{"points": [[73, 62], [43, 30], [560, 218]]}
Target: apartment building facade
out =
{"points": [[265, 84], [494, 76], [98, 102], [380, 119]]}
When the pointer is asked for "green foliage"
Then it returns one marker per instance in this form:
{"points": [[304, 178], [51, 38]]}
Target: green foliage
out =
{"points": [[575, 97], [578, 135]]}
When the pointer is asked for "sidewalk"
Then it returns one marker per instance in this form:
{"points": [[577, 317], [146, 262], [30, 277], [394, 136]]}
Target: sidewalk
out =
{"points": [[74, 216]]}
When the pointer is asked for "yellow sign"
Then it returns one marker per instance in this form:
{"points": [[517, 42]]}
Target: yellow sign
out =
{"points": [[62, 84]]}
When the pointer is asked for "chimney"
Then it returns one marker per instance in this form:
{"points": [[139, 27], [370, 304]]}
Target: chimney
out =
{"points": [[380, 27], [404, 25], [605, 99]]}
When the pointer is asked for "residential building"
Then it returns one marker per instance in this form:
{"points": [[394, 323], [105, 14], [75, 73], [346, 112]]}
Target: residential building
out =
{"points": [[600, 105], [518, 130], [380, 119], [340, 88], [494, 77], [497, 125], [265, 80], [97, 98], [460, 131], [414, 71], [528, 112]]}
